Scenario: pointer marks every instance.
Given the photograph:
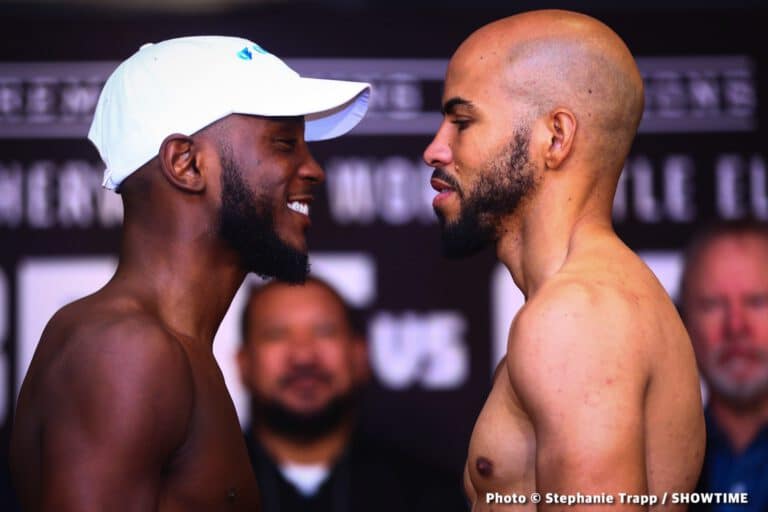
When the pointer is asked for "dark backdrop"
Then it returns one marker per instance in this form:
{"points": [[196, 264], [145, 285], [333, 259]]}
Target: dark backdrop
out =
{"points": [[435, 327]]}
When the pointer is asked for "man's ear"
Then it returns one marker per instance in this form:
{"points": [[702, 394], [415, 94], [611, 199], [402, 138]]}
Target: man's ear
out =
{"points": [[178, 161], [561, 126], [360, 364]]}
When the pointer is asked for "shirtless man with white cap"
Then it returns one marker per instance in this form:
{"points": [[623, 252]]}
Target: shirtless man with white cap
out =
{"points": [[598, 392], [124, 406]]}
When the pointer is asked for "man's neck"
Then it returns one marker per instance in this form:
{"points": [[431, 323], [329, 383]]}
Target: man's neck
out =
{"points": [[189, 282], [285, 450], [535, 242], [740, 425]]}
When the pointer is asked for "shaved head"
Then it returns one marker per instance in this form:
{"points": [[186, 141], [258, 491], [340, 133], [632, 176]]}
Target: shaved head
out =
{"points": [[558, 59], [539, 113]]}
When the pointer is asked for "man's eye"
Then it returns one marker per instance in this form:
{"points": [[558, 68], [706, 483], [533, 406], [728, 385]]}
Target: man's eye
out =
{"points": [[286, 144], [758, 300], [461, 124], [326, 331], [272, 334], [709, 304]]}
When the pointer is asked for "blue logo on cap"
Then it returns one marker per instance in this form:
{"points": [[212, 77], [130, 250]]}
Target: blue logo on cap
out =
{"points": [[259, 49], [246, 54]]}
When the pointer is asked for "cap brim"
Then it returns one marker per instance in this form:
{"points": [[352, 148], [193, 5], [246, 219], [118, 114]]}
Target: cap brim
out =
{"points": [[331, 108], [343, 105]]}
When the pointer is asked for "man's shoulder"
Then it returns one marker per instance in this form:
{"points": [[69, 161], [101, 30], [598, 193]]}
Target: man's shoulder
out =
{"points": [[112, 325], [575, 321], [578, 348], [108, 341], [569, 301]]}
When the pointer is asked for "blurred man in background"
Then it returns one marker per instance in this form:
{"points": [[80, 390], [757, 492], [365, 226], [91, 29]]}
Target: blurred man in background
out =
{"points": [[725, 305], [304, 361]]}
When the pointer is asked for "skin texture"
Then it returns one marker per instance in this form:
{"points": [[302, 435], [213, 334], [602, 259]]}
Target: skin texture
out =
{"points": [[301, 353], [599, 390], [726, 311], [124, 407]]}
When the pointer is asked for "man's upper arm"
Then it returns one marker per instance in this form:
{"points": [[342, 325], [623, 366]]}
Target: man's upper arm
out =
{"points": [[122, 400], [577, 364]]}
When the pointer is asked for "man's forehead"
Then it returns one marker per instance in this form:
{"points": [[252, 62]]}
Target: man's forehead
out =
{"points": [[287, 120], [274, 121], [474, 61], [474, 89], [234, 126], [482, 70], [740, 244], [466, 79], [730, 256], [276, 294]]}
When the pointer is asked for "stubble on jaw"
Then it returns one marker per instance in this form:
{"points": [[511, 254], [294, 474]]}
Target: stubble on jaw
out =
{"points": [[497, 193]]}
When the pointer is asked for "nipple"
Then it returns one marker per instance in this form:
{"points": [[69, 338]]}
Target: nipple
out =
{"points": [[484, 466]]}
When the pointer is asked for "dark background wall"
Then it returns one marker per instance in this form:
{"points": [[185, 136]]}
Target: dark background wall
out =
{"points": [[436, 327]]}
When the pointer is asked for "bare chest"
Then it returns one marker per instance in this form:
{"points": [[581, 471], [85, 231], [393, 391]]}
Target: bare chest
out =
{"points": [[501, 459], [212, 470]]}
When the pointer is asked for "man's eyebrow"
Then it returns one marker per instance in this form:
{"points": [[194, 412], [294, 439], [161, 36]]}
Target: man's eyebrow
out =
{"points": [[450, 105]]}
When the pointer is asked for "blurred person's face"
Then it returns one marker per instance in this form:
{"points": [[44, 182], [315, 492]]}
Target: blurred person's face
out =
{"points": [[301, 361], [726, 310]]}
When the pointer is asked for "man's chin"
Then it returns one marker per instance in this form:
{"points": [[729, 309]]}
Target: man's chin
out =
{"points": [[458, 243], [296, 244], [305, 423], [282, 262], [293, 273], [304, 402], [737, 390], [443, 218], [306, 412]]}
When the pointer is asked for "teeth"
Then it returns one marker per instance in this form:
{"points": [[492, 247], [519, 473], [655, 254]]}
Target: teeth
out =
{"points": [[299, 207]]}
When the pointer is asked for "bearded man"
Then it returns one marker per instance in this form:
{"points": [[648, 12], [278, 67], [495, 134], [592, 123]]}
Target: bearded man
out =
{"points": [[724, 294], [598, 392], [124, 406]]}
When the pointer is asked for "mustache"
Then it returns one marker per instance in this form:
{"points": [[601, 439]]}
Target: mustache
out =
{"points": [[304, 372], [441, 175], [727, 351]]}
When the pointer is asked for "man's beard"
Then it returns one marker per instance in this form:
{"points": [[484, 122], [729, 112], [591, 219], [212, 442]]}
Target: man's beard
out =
{"points": [[498, 190], [738, 393], [246, 223], [305, 426]]}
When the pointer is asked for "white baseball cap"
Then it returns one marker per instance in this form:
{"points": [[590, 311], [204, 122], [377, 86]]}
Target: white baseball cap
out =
{"points": [[183, 85]]}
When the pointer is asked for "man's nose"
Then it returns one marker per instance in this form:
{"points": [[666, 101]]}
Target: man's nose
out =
{"points": [[438, 153], [312, 171], [736, 321], [302, 348]]}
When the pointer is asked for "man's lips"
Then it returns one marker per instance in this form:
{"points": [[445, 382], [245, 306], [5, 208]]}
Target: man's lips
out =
{"points": [[305, 379], [444, 184], [726, 356], [441, 185], [444, 190]]}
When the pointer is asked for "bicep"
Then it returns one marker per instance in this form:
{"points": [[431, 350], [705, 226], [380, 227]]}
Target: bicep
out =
{"points": [[583, 385], [591, 444], [114, 420]]}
